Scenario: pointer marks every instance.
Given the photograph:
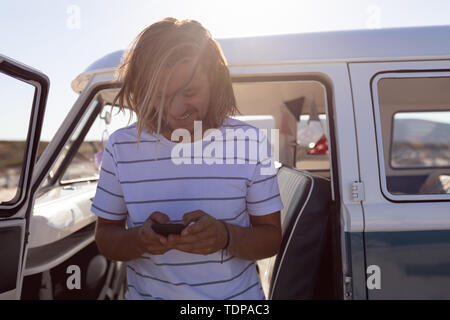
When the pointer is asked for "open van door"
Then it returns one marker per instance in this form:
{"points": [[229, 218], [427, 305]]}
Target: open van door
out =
{"points": [[20, 128]]}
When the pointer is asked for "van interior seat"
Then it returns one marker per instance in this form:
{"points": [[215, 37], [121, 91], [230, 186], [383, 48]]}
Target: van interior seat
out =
{"points": [[293, 273]]}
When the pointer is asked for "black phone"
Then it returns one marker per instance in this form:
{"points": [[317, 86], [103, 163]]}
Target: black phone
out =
{"points": [[165, 229]]}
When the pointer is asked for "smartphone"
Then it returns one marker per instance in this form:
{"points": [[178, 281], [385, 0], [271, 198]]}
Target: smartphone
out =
{"points": [[165, 229]]}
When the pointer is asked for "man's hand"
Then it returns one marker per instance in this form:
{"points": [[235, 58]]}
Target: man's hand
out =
{"points": [[149, 240], [206, 235]]}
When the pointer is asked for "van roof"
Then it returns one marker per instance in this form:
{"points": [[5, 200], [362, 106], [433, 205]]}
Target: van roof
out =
{"points": [[410, 43]]}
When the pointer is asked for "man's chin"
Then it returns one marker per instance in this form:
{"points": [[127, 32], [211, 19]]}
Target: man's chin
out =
{"points": [[188, 126]]}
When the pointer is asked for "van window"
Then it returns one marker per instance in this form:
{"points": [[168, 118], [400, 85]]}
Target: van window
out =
{"points": [[421, 140], [298, 110], [59, 163], [80, 158], [16, 111], [86, 163], [415, 127]]}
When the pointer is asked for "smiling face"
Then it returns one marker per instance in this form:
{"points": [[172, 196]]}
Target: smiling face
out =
{"points": [[170, 47], [187, 98]]}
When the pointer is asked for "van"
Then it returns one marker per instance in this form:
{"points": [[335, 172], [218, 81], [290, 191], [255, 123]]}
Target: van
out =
{"points": [[363, 168]]}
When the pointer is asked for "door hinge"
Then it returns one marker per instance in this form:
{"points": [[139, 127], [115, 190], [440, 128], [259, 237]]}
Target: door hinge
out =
{"points": [[348, 288], [358, 191]]}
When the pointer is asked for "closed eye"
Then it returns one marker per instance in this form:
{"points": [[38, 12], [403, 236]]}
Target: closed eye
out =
{"points": [[190, 93]]}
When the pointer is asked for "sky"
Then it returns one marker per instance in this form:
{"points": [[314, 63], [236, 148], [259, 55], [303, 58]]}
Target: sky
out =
{"points": [[61, 38]]}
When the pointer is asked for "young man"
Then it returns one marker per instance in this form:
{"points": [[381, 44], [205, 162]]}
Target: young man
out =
{"points": [[174, 75]]}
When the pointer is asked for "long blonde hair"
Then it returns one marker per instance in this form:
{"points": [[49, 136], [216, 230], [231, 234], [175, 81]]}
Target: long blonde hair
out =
{"points": [[160, 47]]}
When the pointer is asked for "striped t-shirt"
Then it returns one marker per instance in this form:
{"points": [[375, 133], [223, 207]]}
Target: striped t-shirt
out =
{"points": [[134, 182]]}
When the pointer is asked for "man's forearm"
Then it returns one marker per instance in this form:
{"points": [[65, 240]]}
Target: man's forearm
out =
{"points": [[117, 243], [254, 243]]}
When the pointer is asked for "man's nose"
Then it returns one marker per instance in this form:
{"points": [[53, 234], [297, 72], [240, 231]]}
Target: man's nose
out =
{"points": [[179, 105]]}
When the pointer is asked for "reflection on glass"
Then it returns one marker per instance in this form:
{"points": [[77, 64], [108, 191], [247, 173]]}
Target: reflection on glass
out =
{"points": [[421, 139]]}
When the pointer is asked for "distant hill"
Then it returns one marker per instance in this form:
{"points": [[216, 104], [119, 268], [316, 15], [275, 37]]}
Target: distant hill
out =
{"points": [[426, 131]]}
